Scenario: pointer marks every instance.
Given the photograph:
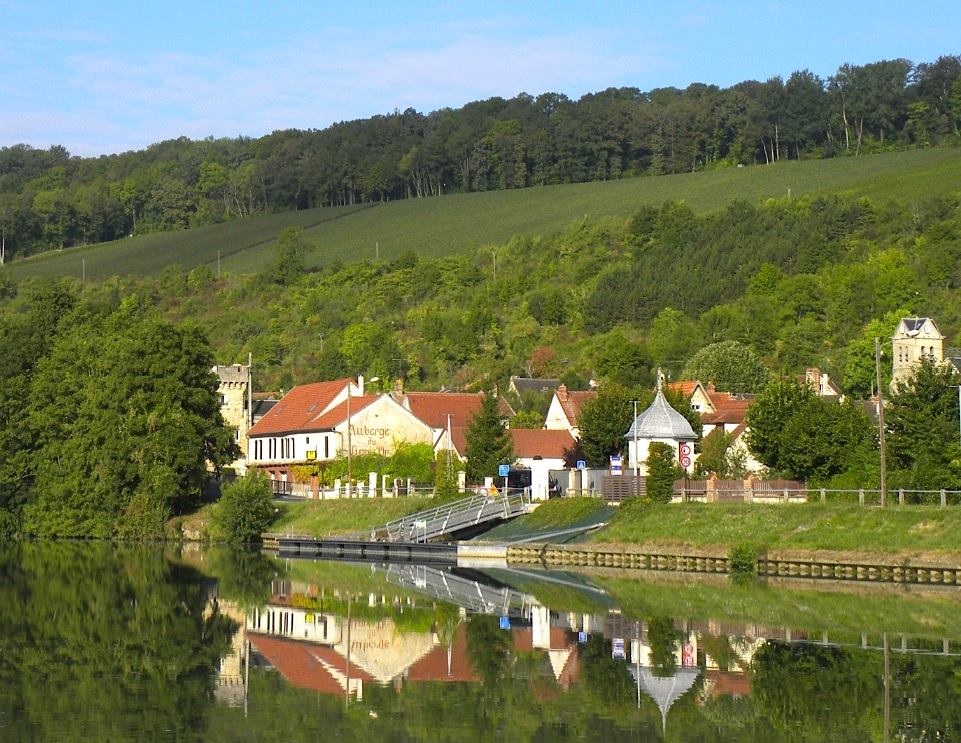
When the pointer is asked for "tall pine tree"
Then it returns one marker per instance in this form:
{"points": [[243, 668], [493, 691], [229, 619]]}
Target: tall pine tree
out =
{"points": [[489, 444]]}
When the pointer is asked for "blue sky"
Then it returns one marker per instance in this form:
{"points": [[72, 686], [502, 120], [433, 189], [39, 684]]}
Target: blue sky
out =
{"points": [[105, 77]]}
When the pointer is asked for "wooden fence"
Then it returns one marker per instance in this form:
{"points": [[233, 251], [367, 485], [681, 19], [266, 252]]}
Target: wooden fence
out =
{"points": [[739, 491]]}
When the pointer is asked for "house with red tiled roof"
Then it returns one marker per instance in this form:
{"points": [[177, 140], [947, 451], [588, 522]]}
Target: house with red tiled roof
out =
{"points": [[542, 451], [566, 408], [325, 420], [448, 414]]}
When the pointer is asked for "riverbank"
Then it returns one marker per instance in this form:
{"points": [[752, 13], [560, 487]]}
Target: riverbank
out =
{"points": [[840, 532]]}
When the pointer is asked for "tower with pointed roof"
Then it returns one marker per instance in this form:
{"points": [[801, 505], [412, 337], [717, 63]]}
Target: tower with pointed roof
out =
{"points": [[661, 423]]}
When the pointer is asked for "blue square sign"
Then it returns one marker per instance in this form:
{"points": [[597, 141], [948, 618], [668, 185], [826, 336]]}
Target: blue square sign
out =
{"points": [[503, 470]]}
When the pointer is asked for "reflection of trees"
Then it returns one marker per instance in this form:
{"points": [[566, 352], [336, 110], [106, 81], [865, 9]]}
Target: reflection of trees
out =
{"points": [[664, 641], [489, 648], [830, 693], [243, 574], [113, 640]]}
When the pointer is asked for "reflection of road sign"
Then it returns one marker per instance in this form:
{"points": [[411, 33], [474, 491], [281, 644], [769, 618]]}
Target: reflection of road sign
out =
{"points": [[581, 464], [505, 623], [617, 648], [684, 451], [687, 655], [503, 470], [582, 636], [617, 466]]}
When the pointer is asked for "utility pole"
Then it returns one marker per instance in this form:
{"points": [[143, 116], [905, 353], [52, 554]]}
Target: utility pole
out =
{"points": [[350, 471], [884, 468]]}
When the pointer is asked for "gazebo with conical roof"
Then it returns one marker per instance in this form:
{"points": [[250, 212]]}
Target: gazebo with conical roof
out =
{"points": [[661, 423]]}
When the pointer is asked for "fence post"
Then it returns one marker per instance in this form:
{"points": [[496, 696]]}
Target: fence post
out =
{"points": [[785, 495], [900, 496], [824, 496], [944, 498], [861, 497]]}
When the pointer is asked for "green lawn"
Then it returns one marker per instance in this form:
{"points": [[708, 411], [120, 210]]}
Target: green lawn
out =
{"points": [[452, 224], [916, 530]]}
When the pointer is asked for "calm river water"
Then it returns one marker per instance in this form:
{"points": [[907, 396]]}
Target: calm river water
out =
{"points": [[100, 642]]}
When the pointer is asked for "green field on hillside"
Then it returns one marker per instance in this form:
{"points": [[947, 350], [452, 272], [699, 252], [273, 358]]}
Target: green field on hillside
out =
{"points": [[451, 224]]}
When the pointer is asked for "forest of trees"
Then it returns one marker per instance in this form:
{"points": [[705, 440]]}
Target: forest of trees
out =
{"points": [[50, 199]]}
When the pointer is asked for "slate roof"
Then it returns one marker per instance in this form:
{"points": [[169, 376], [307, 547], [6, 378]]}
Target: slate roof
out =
{"points": [[531, 443], [529, 384], [661, 421], [914, 325]]}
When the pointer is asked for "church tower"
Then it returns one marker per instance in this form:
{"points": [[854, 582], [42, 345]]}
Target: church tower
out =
{"points": [[916, 338]]}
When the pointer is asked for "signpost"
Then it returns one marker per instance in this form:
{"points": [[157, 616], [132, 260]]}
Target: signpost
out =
{"points": [[684, 451], [503, 470], [617, 465]]}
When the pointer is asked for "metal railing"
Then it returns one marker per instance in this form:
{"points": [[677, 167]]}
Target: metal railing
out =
{"points": [[452, 517]]}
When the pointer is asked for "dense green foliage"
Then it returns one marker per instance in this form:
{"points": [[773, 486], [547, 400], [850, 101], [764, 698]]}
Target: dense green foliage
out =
{"points": [[98, 638], [120, 421], [802, 436], [49, 199], [923, 444], [489, 444], [245, 509], [662, 471], [729, 365]]}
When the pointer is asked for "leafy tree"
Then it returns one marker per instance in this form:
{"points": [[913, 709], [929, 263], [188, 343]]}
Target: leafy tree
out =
{"points": [[768, 416], [245, 509], [730, 365], [489, 444], [713, 455], [605, 420], [922, 421], [125, 420], [662, 471], [800, 435]]}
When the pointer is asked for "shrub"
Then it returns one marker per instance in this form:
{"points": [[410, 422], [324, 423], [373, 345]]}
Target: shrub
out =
{"points": [[245, 509], [742, 559]]}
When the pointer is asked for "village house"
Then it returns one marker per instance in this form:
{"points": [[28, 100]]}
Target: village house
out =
{"points": [[542, 452], [565, 409]]}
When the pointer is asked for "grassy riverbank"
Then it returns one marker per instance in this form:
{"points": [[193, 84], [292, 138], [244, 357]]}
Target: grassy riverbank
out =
{"points": [[911, 532]]}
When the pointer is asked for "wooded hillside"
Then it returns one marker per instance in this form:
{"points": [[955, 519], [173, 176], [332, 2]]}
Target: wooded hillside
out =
{"points": [[51, 200]]}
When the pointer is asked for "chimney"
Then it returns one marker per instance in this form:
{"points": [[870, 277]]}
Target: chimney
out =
{"points": [[360, 385], [813, 378], [562, 393], [399, 387]]}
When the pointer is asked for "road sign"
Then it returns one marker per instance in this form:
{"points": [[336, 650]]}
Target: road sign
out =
{"points": [[684, 452], [617, 648], [617, 466], [420, 524], [581, 464], [503, 470]]}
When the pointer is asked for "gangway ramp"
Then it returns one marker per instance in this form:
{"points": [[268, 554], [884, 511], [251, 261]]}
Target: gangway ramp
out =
{"points": [[454, 517]]}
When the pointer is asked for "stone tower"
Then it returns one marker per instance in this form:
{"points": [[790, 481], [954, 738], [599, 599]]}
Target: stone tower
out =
{"points": [[915, 339]]}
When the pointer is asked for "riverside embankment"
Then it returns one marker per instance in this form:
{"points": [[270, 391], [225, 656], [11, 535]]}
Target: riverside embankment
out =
{"points": [[897, 544]]}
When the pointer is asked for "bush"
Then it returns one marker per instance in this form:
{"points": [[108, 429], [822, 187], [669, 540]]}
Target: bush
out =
{"points": [[245, 509], [742, 559]]}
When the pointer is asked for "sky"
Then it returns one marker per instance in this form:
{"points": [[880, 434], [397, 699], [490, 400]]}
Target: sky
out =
{"points": [[105, 77]]}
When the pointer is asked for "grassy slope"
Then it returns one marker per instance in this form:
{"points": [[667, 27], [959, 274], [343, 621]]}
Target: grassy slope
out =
{"points": [[923, 532], [453, 224], [919, 532]]}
